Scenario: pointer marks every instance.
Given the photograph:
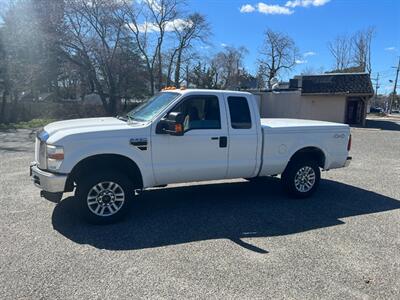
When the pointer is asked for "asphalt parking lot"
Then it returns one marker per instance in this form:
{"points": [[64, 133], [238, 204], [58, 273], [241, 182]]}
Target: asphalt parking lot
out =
{"points": [[230, 239]]}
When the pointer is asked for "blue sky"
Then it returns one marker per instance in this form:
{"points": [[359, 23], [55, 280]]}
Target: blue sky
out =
{"points": [[311, 23]]}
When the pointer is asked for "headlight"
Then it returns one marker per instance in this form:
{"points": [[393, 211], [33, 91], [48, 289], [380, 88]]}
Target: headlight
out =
{"points": [[55, 157]]}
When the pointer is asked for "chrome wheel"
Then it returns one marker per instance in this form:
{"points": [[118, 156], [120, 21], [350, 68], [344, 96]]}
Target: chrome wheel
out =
{"points": [[105, 198], [304, 179]]}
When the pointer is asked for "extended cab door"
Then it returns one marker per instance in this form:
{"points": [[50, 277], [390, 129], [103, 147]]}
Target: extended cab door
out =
{"points": [[244, 137], [202, 152]]}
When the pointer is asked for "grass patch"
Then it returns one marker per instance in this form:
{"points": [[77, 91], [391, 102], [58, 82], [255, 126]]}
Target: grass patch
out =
{"points": [[34, 123]]}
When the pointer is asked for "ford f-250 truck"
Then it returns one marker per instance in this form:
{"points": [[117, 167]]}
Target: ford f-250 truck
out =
{"points": [[182, 135]]}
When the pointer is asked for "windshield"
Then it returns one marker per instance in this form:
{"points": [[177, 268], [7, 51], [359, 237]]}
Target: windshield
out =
{"points": [[150, 108]]}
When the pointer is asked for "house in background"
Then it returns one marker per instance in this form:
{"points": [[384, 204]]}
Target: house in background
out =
{"points": [[335, 97]]}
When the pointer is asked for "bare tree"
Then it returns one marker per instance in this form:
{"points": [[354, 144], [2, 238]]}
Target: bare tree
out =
{"points": [[194, 28], [148, 21], [4, 85], [22, 57], [362, 41], [229, 64], [278, 53], [93, 39], [312, 71], [353, 53], [341, 48]]}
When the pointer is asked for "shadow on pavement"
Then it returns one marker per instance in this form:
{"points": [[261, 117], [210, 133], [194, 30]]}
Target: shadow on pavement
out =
{"points": [[382, 124], [232, 211]]}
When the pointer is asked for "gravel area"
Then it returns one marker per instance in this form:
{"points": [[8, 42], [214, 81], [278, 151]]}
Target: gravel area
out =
{"points": [[225, 239]]}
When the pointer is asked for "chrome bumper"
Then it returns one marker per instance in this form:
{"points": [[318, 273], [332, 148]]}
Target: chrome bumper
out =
{"points": [[47, 181], [348, 161]]}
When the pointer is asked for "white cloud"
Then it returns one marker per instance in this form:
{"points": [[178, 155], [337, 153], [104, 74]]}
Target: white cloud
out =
{"points": [[273, 9], [306, 3], [309, 53], [391, 49], [247, 8], [300, 61], [266, 9], [224, 45], [178, 24]]}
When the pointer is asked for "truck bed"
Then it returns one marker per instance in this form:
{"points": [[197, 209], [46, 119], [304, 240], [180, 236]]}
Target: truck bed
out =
{"points": [[283, 137]]}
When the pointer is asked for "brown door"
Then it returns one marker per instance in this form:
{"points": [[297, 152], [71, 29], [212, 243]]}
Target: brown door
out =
{"points": [[354, 111]]}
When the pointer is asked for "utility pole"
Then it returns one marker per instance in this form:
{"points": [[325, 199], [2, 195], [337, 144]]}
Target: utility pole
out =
{"points": [[395, 87], [377, 86]]}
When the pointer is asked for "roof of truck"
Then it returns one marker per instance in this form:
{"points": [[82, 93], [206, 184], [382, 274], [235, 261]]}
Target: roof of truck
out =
{"points": [[204, 91]]}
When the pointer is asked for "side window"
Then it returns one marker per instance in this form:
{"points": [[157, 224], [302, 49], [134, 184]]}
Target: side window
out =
{"points": [[239, 112], [201, 112]]}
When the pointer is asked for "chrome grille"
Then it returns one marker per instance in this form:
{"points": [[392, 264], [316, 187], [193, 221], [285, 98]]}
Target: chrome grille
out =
{"points": [[37, 145], [40, 149], [42, 155]]}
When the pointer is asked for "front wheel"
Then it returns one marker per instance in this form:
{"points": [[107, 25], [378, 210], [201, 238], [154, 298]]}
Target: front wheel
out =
{"points": [[301, 177], [104, 197]]}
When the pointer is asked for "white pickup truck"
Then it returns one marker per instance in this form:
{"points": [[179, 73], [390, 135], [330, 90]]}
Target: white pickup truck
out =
{"points": [[181, 135]]}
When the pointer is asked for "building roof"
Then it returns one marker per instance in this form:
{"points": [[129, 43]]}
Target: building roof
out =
{"points": [[337, 83]]}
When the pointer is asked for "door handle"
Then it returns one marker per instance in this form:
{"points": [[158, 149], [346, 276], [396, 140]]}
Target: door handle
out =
{"points": [[223, 141]]}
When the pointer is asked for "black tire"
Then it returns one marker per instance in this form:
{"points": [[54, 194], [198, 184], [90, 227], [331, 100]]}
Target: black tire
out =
{"points": [[114, 185], [298, 187]]}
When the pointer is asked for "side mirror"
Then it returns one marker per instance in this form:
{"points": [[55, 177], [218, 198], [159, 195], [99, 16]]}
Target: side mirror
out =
{"points": [[172, 125]]}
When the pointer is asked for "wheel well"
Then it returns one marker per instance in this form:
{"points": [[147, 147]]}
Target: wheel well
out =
{"points": [[311, 152], [104, 161]]}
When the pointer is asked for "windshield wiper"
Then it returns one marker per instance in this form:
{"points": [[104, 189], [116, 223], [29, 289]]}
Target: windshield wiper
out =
{"points": [[125, 119], [130, 118]]}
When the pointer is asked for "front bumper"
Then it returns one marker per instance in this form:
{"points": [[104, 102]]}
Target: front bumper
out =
{"points": [[348, 161], [47, 181]]}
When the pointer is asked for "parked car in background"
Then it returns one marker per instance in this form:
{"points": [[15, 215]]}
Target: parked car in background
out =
{"points": [[376, 110], [177, 136]]}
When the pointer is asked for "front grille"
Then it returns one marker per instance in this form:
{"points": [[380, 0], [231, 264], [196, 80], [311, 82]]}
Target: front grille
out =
{"points": [[40, 149], [40, 154], [37, 146], [36, 179]]}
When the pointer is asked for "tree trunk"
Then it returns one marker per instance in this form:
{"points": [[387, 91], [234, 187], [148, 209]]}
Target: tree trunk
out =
{"points": [[159, 70], [112, 106], [14, 108], [3, 107], [169, 71], [178, 68], [151, 79]]}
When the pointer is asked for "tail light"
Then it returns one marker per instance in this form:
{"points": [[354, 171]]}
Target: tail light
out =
{"points": [[349, 143]]}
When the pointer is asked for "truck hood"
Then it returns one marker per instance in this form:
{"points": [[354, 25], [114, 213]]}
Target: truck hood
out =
{"points": [[61, 129]]}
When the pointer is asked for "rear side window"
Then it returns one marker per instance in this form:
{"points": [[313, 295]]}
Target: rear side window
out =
{"points": [[240, 112]]}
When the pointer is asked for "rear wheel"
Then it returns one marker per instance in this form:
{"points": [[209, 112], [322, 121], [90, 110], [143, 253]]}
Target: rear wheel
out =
{"points": [[104, 197], [301, 177]]}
